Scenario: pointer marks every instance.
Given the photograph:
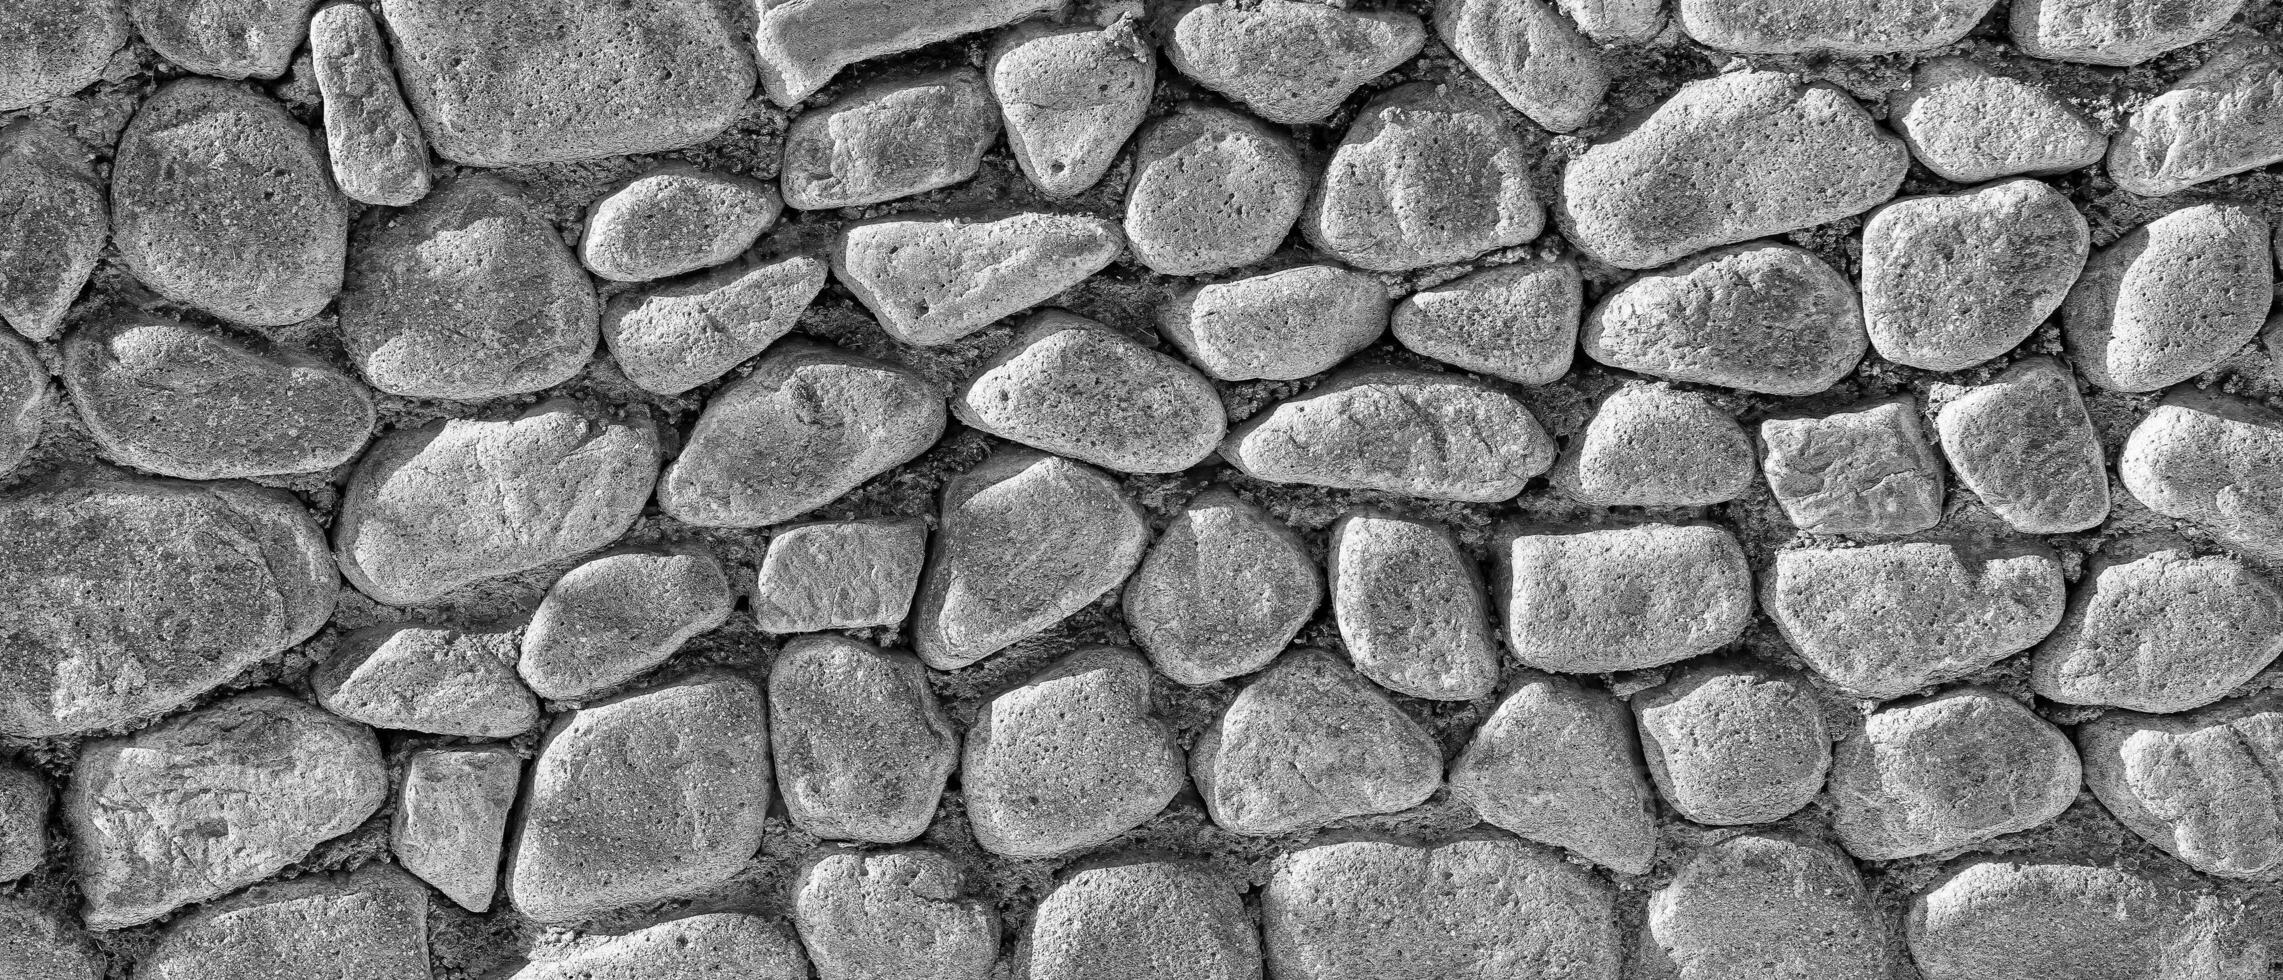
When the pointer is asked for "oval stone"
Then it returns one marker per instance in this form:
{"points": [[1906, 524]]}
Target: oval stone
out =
{"points": [[1943, 772], [1425, 176], [1212, 189], [53, 223], [1763, 317], [2214, 461], [1884, 620], [2171, 299], [2162, 632], [1952, 280], [1075, 388]]}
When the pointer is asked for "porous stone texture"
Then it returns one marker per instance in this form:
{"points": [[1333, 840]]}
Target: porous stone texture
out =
{"points": [[52, 48], [2208, 459], [1943, 772], [1857, 27], [1070, 760], [1308, 742], [451, 819], [677, 335], [2113, 32], [1865, 469], [839, 575], [2027, 918], [53, 222], [1952, 280], [2202, 785], [1225, 588], [1440, 436], [862, 751], [932, 280], [610, 619], [2162, 632], [2025, 445], [1648, 445], [25, 400], [888, 139], [1070, 97], [2171, 299], [713, 944], [1076, 388], [427, 679], [2206, 126], [1289, 61], [24, 802], [1281, 326], [1410, 607], [1426, 175], [1969, 123], [369, 925], [673, 219], [1533, 57], [224, 38], [1625, 598], [801, 44], [893, 915], [371, 138], [39, 945], [1734, 743], [1558, 763], [1765, 317], [1140, 919], [1212, 189], [1518, 322], [1763, 905]]}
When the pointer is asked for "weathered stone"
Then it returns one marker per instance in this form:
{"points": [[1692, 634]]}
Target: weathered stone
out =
{"points": [[24, 401], [451, 819], [1309, 742], [802, 44], [1442, 436], [1279, 326], [1070, 760], [1629, 598], [1424, 176], [1530, 55], [2026, 446], [1140, 920], [888, 139], [427, 679], [2211, 123], [1884, 620], [1649, 445], [224, 38], [1070, 97], [24, 802], [52, 48], [2210, 459], [1764, 906], [675, 218], [608, 620], [374, 143], [862, 751], [2114, 32], [1291, 61], [1969, 124], [1763, 317], [2202, 786], [1410, 607], [2163, 632], [2002, 918], [1952, 280], [1073, 387], [1734, 743], [934, 280], [370, 925], [1849, 27], [2172, 299], [53, 221], [1557, 763], [840, 575], [1222, 592], [897, 915], [1212, 189], [1939, 773], [39, 945], [1616, 21], [1864, 469], [674, 336], [1517, 322], [701, 947]]}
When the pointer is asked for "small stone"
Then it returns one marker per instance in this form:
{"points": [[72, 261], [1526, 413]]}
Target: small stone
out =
{"points": [[1935, 774], [1969, 124], [2210, 459], [52, 48], [1410, 607], [377, 152], [2206, 126], [202, 804], [1728, 159], [1616, 21], [802, 44], [24, 802], [370, 925], [1140, 920], [1291, 61], [24, 401], [1517, 322], [225, 38], [676, 335], [1734, 743], [2163, 632], [701, 947], [934, 280], [1212, 190], [1953, 280], [1073, 387], [2114, 32], [2006, 918], [840, 575], [1767, 318], [2202, 786], [1070, 97], [1530, 55], [606, 621], [1763, 906], [427, 679], [451, 819], [1070, 760], [898, 915], [675, 218], [1630, 598], [810, 424], [1222, 592], [1308, 742], [53, 221], [1649, 445], [1557, 763], [220, 201], [1848, 27], [892, 138], [1023, 541], [651, 795], [2026, 446], [1884, 620], [1279, 326], [862, 751], [2171, 299], [1440, 436], [191, 403], [1865, 469], [38, 945], [1424, 176]]}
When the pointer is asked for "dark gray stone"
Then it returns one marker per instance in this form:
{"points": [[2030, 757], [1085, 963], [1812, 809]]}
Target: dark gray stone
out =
{"points": [[1969, 124], [802, 44], [224, 38], [1952, 280], [1441, 436], [1212, 189], [1073, 387], [676, 335], [1070, 97], [53, 221], [675, 218], [1557, 763], [700, 947], [1764, 317], [1734, 743], [1281, 326], [895, 915], [1410, 607], [610, 619], [2210, 459], [1222, 592], [2162, 632], [1290, 61], [24, 802], [1884, 620], [39, 945], [1140, 920], [1309, 742], [1935, 774], [2027, 448], [840, 575], [369, 925], [1070, 760], [1532, 56], [1864, 469], [451, 819], [375, 146], [891, 138], [932, 280], [52, 48], [862, 751], [2171, 299], [1649, 445], [1629, 598], [1517, 322], [1426, 175], [2202, 786], [427, 679], [2039, 921], [1763, 906]]}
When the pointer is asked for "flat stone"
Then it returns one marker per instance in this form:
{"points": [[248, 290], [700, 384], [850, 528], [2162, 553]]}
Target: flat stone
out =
{"points": [[1760, 906], [802, 44], [897, 915], [1884, 620], [202, 804], [2026, 446], [1628, 598], [1070, 760], [675, 218], [1728, 159], [1953, 280], [1998, 917], [53, 220], [1410, 607], [39, 945], [1557, 763], [651, 795], [608, 620], [1734, 743], [1023, 541], [1970, 124], [24, 802], [504, 82], [2171, 299], [1212, 189], [1279, 326], [862, 751], [246, 575], [1649, 445], [1070, 97], [1864, 469], [1939, 773], [888, 139], [1076, 388], [1140, 920], [2114, 32], [1424, 176], [1308, 742], [676, 335], [2202, 785], [451, 819], [2162, 632], [1518, 322], [2210, 459], [1616, 21], [220, 201], [933, 280], [1767, 318], [1222, 592], [369, 925], [1289, 61], [2206, 126], [224, 38], [371, 138], [840, 575], [809, 424], [52, 48], [427, 679], [24, 401], [700, 947], [1441, 436], [1531, 56], [1848, 27]]}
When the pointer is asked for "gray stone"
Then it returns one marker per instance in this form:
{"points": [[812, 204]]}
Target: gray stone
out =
{"points": [[1070, 760], [1627, 598], [224, 38], [369, 925], [897, 915], [2171, 299], [1935, 774], [2162, 632], [1650, 445], [1616, 21], [39, 945], [2008, 918], [1734, 743], [840, 575], [1533, 57], [1410, 607], [933, 280], [2114, 32], [52, 48], [2210, 459], [1728, 159], [374, 143], [1140, 920], [451, 819], [1291, 61], [2202, 786], [809, 424], [1424, 176], [1969, 124], [608, 620], [24, 401], [1764, 317], [1441, 436], [862, 751], [1517, 322], [24, 802], [1279, 326], [1557, 763], [700, 947], [220, 201], [1023, 541], [1073, 387], [802, 44], [676, 335], [2026, 446], [1848, 27], [1952, 280], [1308, 742], [1864, 469], [1070, 97], [675, 218], [1884, 620], [53, 222], [205, 803], [1763, 906], [1212, 189], [427, 679], [1222, 592], [2208, 125], [892, 138]]}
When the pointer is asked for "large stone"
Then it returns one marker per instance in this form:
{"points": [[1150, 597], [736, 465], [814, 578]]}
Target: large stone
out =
{"points": [[1627, 598], [802, 44], [612, 618], [1308, 742], [1212, 189], [24, 401], [891, 138], [369, 925], [1884, 620], [1864, 469], [1410, 607], [1070, 97], [1969, 124], [2171, 299], [36, 944], [1734, 743], [1291, 61], [1648, 445], [840, 575], [2208, 125], [933, 280], [24, 802], [2211, 460], [1222, 592], [451, 819], [1939, 773], [2203, 786], [1952, 280], [895, 915], [1518, 322], [1847, 27], [224, 38], [2026, 446], [1557, 763], [1764, 317], [52, 48], [675, 218], [1764, 906], [701, 947], [1425, 176], [427, 679], [2036, 921], [53, 222], [862, 751], [374, 143], [676, 335], [1070, 760], [1442, 436], [1533, 57], [2114, 32], [1076, 388], [1140, 920], [2162, 632], [1279, 326]]}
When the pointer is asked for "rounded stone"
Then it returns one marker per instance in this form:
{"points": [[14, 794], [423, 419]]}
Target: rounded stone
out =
{"points": [[1847, 27], [1518, 322], [374, 143], [1073, 387], [2210, 459], [1440, 436], [1308, 742], [608, 620], [24, 401], [1969, 124], [1626, 598], [933, 280], [892, 915], [700, 947], [1734, 743], [1278, 326], [1531, 56], [1212, 189], [1764, 906], [1649, 445], [225, 38], [1410, 607], [427, 679], [840, 575], [52, 48], [1132, 919], [1290, 61], [2206, 126], [2025, 445], [2161, 632], [24, 802], [1864, 469], [1557, 763], [862, 751], [801, 46], [891, 138], [1424, 176], [53, 222], [1616, 21], [368, 925], [676, 335], [2022, 918], [673, 219], [2202, 786], [1071, 759], [1766, 318], [36, 944], [1935, 774], [1952, 280], [1070, 97], [1222, 592], [2171, 299], [2114, 32]]}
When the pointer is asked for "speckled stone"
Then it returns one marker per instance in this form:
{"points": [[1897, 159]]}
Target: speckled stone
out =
{"points": [[614, 617], [1952, 280], [1734, 743], [2024, 444], [371, 138], [932, 280], [1616, 21], [1558, 763], [1136, 919], [1308, 742], [2210, 460], [862, 751], [2162, 632], [1290, 61], [1865, 469], [1281, 326], [1969, 124], [2202, 785], [674, 218], [1532, 57], [2020, 918], [1212, 189], [676, 335], [1847, 27], [25, 400], [36, 944], [1426, 175], [1938, 773], [1764, 906], [2114, 32], [1410, 607], [1076, 388], [1765, 317], [894, 915], [1628, 598], [1073, 758], [2171, 299], [1070, 97], [702, 947], [2208, 125], [802, 44], [887, 139], [53, 222], [52, 48], [24, 802], [1222, 592], [427, 679], [451, 819], [840, 575], [1441, 436], [1518, 322], [1649, 445], [225, 38], [368, 925]]}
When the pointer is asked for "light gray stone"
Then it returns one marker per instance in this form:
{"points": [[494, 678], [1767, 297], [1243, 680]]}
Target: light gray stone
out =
{"points": [[1212, 189], [802, 44], [1626, 598], [1073, 387], [2162, 632], [1290, 61], [52, 48], [24, 802], [1939, 773], [24, 401], [1558, 763], [1140, 920], [1864, 469], [1847, 27], [224, 38], [862, 751], [1425, 176], [1070, 96], [1517, 322], [369, 925], [371, 138], [2026, 446], [1952, 280], [451, 819], [1070, 760], [1222, 592], [1969, 124], [39, 945], [895, 915], [2039, 921], [1308, 742], [1410, 607], [1532, 57], [1616, 21], [1649, 445], [676, 335], [1763, 906], [2114, 32], [2210, 460], [1279, 326], [610, 619], [2171, 299], [53, 221], [2206, 126], [427, 679], [2202, 786], [700, 947], [1764, 317], [675, 218], [840, 575], [932, 280], [1734, 743], [891, 138], [1441, 436]]}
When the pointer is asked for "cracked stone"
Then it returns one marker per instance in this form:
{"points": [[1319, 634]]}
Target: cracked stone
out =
{"points": [[1070, 386], [1953, 280], [451, 819], [1410, 607], [1212, 189], [675, 218], [862, 750], [888, 139], [1425, 176], [673, 336], [898, 915], [2025, 445], [1440, 436], [1734, 743], [1864, 469], [1518, 322], [2206, 786], [932, 280], [1765, 317], [1649, 445], [1070, 97], [1969, 124], [1222, 592], [1070, 760], [1630, 598], [2171, 299], [2162, 632], [53, 221], [1308, 742], [608, 620], [1281, 326], [371, 137], [1939, 773], [427, 679], [840, 575], [1558, 763], [1884, 620], [1291, 61], [1140, 920]]}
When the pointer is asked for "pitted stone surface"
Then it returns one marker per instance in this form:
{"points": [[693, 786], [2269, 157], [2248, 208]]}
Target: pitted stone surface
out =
{"points": [[895, 915], [1070, 760], [1410, 607], [52, 48], [39, 945], [1627, 598], [840, 574], [24, 802], [1222, 592], [53, 222], [1070, 97], [1648, 445], [1938, 773], [369, 925], [2025, 445], [2209, 459], [25, 399], [224, 38], [1764, 906], [1212, 189], [2020, 918], [451, 819], [1558, 763], [2208, 125], [2162, 632], [862, 751], [1290, 61], [1140, 920], [2114, 32], [374, 143], [672, 219], [427, 679], [1616, 21], [1073, 387], [1853, 27], [1536, 60], [1308, 742], [933, 280], [612, 618], [1441, 436], [802, 44], [2202, 786], [1425, 175], [1517, 322], [1282, 326], [2171, 299], [1734, 743], [1969, 124], [1865, 469], [676, 335], [701, 947], [1952, 280], [1765, 317], [888, 139]]}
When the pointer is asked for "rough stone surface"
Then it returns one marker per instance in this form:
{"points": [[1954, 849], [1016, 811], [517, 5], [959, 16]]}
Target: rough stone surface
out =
{"points": [[1425, 176], [862, 751], [1852, 27], [1937, 773], [2202, 785], [672, 219], [888, 139], [1280, 326], [1648, 445], [2209, 459], [39, 945], [1222, 592], [2114, 32], [1410, 607], [895, 915], [1070, 760], [1734, 743], [934, 280], [1442, 436], [427, 679], [610, 619], [1952, 280], [53, 222], [1517, 322], [714, 944], [1969, 124], [1070, 97], [839, 575], [372, 140], [1616, 21], [370, 925], [2162, 632], [1536, 60], [2022, 918], [1763, 906], [2171, 299], [1308, 742], [24, 802], [1070, 386], [1290, 61], [25, 401], [677, 335], [451, 819], [1765, 317], [1865, 469], [1557, 763], [1140, 920], [52, 48], [2212, 123], [1212, 189], [802, 44], [1884, 620], [224, 38], [1623, 598], [2025, 445]]}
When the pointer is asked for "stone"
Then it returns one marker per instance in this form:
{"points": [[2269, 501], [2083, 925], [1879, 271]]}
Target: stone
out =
{"points": [[220, 201], [810, 424], [39, 945], [2025, 445], [1140, 920], [1531, 56], [1970, 124], [1424, 176], [1864, 469], [892, 138], [1616, 21], [862, 750], [470, 295], [655, 794], [1764, 906], [608, 620], [185, 402], [2162, 632], [451, 819], [1724, 160], [2210, 460], [1410, 607], [714, 944], [202, 804], [1557, 763], [1290, 61], [1953, 280], [225, 38], [1222, 592], [1518, 322], [2114, 32], [1476, 909], [1884, 620], [368, 925], [427, 679], [1023, 540], [24, 401], [896, 915], [840, 575], [1070, 760], [2019, 918], [504, 82], [1764, 317], [1073, 387], [802, 44], [1279, 326], [1847, 27], [53, 221], [2171, 299], [1650, 445], [676, 335], [932, 280], [1623, 598], [1212, 189], [52, 48], [1070, 96], [2202, 785], [1308, 742], [1440, 436], [1939, 773], [24, 802], [1734, 743], [2208, 125], [675, 218], [371, 137], [92, 646]]}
